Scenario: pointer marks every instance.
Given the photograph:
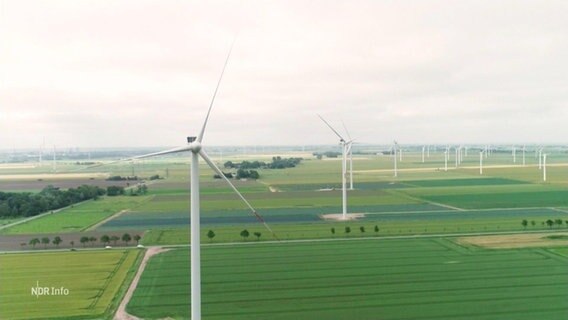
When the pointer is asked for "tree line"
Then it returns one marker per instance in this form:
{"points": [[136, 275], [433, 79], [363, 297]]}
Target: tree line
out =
{"points": [[277, 163], [550, 223], [105, 240], [26, 204]]}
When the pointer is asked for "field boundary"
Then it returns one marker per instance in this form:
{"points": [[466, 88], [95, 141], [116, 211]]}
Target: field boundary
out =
{"points": [[105, 220]]}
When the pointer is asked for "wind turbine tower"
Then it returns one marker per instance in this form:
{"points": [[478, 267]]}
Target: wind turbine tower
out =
{"points": [[544, 167], [344, 149], [481, 162], [395, 165]]}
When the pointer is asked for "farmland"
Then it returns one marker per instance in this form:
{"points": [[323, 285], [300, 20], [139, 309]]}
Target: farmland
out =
{"points": [[381, 272], [374, 279], [95, 281]]}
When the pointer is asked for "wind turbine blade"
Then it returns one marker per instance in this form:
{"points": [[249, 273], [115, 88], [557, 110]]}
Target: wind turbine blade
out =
{"points": [[149, 155], [347, 131], [337, 133], [202, 132], [220, 173]]}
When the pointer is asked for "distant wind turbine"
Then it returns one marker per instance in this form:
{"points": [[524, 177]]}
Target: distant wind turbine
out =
{"points": [[344, 149], [481, 162], [350, 153], [395, 147], [544, 167]]}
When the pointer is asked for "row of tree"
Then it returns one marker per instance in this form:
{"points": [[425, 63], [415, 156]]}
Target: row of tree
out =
{"points": [[327, 154], [140, 189], [105, 240], [277, 163], [361, 228], [550, 223], [244, 234], [25, 204]]}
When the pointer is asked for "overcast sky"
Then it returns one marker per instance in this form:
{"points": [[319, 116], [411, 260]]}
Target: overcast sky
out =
{"points": [[142, 73]]}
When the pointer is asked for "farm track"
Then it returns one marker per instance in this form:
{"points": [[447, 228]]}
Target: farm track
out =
{"points": [[121, 313], [100, 223]]}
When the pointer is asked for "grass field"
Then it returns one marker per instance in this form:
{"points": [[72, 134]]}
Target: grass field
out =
{"points": [[94, 280], [372, 279], [77, 218]]}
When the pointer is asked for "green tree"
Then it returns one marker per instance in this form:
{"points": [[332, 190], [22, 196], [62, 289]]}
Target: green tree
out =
{"points": [[254, 175], [137, 239], [333, 231], [558, 222], [105, 239], [257, 235], [126, 238], [210, 235], [84, 240], [45, 241], [72, 243], [533, 223], [92, 240], [362, 229], [34, 241], [57, 240], [525, 223], [377, 229], [347, 230], [114, 239], [549, 223], [245, 234]]}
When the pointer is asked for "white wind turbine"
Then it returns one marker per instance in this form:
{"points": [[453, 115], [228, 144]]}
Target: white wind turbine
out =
{"points": [[423, 150], [395, 166], [446, 159], [195, 146], [350, 154], [544, 167], [344, 149], [481, 161]]}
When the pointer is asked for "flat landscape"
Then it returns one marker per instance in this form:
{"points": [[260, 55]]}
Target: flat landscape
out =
{"points": [[431, 244]]}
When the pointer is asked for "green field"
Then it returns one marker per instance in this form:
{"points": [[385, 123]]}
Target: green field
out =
{"points": [[372, 279], [78, 217], [95, 280]]}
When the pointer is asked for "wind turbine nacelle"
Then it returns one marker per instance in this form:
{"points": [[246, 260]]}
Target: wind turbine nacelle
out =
{"points": [[191, 139]]}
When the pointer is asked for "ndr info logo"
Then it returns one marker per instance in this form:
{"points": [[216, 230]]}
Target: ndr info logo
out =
{"points": [[49, 291]]}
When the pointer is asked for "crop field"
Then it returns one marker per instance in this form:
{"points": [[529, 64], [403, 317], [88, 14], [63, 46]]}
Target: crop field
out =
{"points": [[371, 279], [78, 217], [94, 279]]}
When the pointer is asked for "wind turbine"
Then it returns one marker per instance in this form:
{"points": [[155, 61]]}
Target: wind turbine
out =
{"points": [[544, 167], [344, 149], [446, 160], [394, 149], [195, 146], [540, 159], [524, 149], [514, 154], [350, 154], [481, 162], [423, 149]]}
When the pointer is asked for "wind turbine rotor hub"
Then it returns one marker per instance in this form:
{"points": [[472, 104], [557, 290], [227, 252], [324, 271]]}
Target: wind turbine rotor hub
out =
{"points": [[195, 146]]}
